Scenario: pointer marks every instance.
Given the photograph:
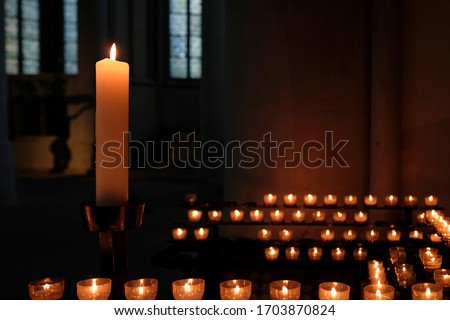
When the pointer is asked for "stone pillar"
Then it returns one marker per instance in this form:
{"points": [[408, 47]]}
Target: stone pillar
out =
{"points": [[8, 193]]}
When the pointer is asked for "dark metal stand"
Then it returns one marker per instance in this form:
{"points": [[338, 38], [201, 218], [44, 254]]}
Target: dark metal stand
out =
{"points": [[112, 224]]}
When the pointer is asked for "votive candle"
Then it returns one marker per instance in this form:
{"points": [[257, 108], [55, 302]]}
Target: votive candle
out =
{"points": [[236, 215], [330, 200], [334, 291], [431, 201], [179, 233], [201, 233], [349, 235], [426, 291], [360, 217], [256, 216], [285, 290], [46, 288], [277, 216], [141, 289], [94, 289], [390, 200], [188, 289], [339, 216], [292, 253], [318, 216], [215, 215], [290, 200], [338, 254], [315, 253], [194, 215], [285, 235], [370, 200], [237, 289], [270, 200], [350, 200], [298, 216], [394, 235], [264, 234], [310, 200], [272, 253], [327, 235], [410, 201]]}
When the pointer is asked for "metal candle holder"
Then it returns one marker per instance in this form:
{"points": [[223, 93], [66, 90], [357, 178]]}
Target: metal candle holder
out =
{"points": [[112, 223]]}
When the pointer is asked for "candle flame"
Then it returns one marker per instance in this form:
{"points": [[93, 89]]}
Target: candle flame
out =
{"points": [[277, 213], [179, 231], [391, 197], [333, 293], [94, 287], [187, 287], [46, 286], [410, 198], [113, 52], [327, 232], [378, 294], [292, 250], [349, 232], [310, 197], [264, 231], [290, 196], [360, 251], [284, 291], [394, 233], [370, 198], [330, 197], [256, 213], [350, 198], [428, 293], [237, 290], [141, 291], [430, 198], [270, 196], [315, 250]]}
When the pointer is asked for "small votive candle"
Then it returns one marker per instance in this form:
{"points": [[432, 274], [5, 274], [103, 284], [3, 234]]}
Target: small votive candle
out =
{"points": [[432, 262], [370, 200], [334, 291], [292, 253], [415, 234], [390, 201], [270, 200], [272, 253], [285, 290], [315, 253], [256, 216], [277, 216], [360, 254], [330, 200], [264, 234], [442, 277], [215, 215], [237, 289], [339, 216], [188, 289], [201, 233], [338, 254], [310, 200], [141, 289], [349, 235], [350, 200], [298, 216], [236, 215], [394, 235], [434, 237], [194, 215], [421, 218], [410, 201], [426, 291], [404, 273], [372, 235], [290, 200], [431, 201], [285, 235], [46, 289], [179, 233], [379, 292], [373, 265], [427, 252], [94, 289], [327, 235], [318, 216], [360, 217]]}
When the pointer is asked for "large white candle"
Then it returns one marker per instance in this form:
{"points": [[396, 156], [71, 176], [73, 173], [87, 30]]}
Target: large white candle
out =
{"points": [[111, 127]]}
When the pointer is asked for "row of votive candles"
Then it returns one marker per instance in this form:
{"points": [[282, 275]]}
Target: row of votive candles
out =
{"points": [[349, 200], [438, 220], [314, 253]]}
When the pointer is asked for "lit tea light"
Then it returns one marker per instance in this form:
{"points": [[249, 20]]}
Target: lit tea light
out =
{"points": [[373, 265], [436, 238], [338, 254], [426, 291], [327, 235], [431, 201], [349, 235], [415, 234], [201, 233], [318, 216], [404, 273], [350, 200], [394, 235], [360, 253], [264, 234], [372, 235], [94, 289], [256, 216], [272, 253], [339, 217], [188, 289], [236, 215], [315, 253], [334, 291], [442, 277], [292, 253], [370, 200], [214, 215], [270, 200], [277, 216], [432, 262], [46, 289], [360, 217], [285, 290], [427, 252], [420, 218], [237, 289], [141, 289], [379, 292], [179, 233], [410, 201], [194, 215], [298, 216], [330, 200], [285, 235], [290, 200], [390, 201], [310, 200]]}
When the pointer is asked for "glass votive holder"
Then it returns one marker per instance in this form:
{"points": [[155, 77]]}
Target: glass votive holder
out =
{"points": [[360, 253], [370, 200], [378, 278], [290, 200], [292, 253], [330, 200], [277, 216], [404, 273], [334, 291], [298, 216], [442, 277], [188, 289], [379, 292], [201, 233], [215, 215], [338, 254], [315, 253], [349, 235], [310, 200], [141, 289], [426, 291], [394, 235], [350, 200], [264, 234], [272, 253], [179, 233], [256, 216], [94, 289], [236, 215], [285, 235], [237, 289], [327, 235], [421, 218], [318, 216], [397, 255], [46, 288], [372, 235], [410, 201], [427, 252], [435, 237], [432, 262], [391, 201], [270, 200], [285, 290], [360, 217], [339, 217], [431, 201], [194, 215], [373, 264], [415, 234]]}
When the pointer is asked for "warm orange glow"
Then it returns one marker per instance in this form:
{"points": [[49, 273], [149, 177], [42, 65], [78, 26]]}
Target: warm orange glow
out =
{"points": [[113, 52]]}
